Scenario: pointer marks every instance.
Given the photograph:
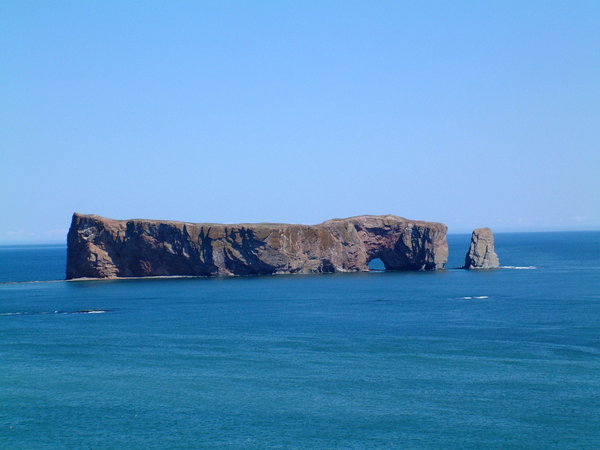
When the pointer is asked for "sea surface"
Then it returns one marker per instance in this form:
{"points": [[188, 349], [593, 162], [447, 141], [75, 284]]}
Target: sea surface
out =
{"points": [[508, 358]]}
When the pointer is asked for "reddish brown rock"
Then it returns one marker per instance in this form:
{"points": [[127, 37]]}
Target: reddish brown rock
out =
{"points": [[106, 248]]}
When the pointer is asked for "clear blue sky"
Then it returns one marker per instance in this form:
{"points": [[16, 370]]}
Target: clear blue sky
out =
{"points": [[474, 113]]}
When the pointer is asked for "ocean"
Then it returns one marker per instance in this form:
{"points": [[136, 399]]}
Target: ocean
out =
{"points": [[508, 358]]}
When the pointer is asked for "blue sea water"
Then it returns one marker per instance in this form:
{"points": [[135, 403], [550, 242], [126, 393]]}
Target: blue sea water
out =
{"points": [[455, 359]]}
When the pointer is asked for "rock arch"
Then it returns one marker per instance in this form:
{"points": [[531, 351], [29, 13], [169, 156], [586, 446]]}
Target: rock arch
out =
{"points": [[105, 248]]}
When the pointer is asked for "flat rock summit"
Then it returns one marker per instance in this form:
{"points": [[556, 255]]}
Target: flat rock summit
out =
{"points": [[105, 248]]}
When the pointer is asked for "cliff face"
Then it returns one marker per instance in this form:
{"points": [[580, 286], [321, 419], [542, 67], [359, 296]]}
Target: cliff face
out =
{"points": [[482, 252], [104, 248]]}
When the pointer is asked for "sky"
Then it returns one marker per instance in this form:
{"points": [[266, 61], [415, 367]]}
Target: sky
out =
{"points": [[469, 113]]}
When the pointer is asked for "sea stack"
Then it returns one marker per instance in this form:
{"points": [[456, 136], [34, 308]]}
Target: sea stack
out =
{"points": [[98, 247], [482, 254]]}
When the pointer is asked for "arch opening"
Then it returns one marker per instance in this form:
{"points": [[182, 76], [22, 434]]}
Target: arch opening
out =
{"points": [[376, 265]]}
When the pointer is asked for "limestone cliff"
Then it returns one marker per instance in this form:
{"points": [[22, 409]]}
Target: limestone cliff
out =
{"points": [[482, 252], [104, 248]]}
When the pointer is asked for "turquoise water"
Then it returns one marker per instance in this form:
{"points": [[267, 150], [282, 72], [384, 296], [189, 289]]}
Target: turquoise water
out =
{"points": [[455, 359]]}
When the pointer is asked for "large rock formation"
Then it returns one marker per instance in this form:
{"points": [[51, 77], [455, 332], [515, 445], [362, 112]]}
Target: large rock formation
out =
{"points": [[106, 248], [482, 254]]}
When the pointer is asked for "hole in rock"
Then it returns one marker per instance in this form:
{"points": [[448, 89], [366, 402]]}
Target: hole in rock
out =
{"points": [[376, 265]]}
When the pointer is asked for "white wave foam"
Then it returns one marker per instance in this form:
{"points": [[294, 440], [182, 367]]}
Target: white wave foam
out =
{"points": [[474, 297], [31, 282], [83, 311], [519, 267]]}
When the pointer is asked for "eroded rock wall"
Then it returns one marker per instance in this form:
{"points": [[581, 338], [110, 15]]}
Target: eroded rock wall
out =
{"points": [[482, 251], [105, 248]]}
